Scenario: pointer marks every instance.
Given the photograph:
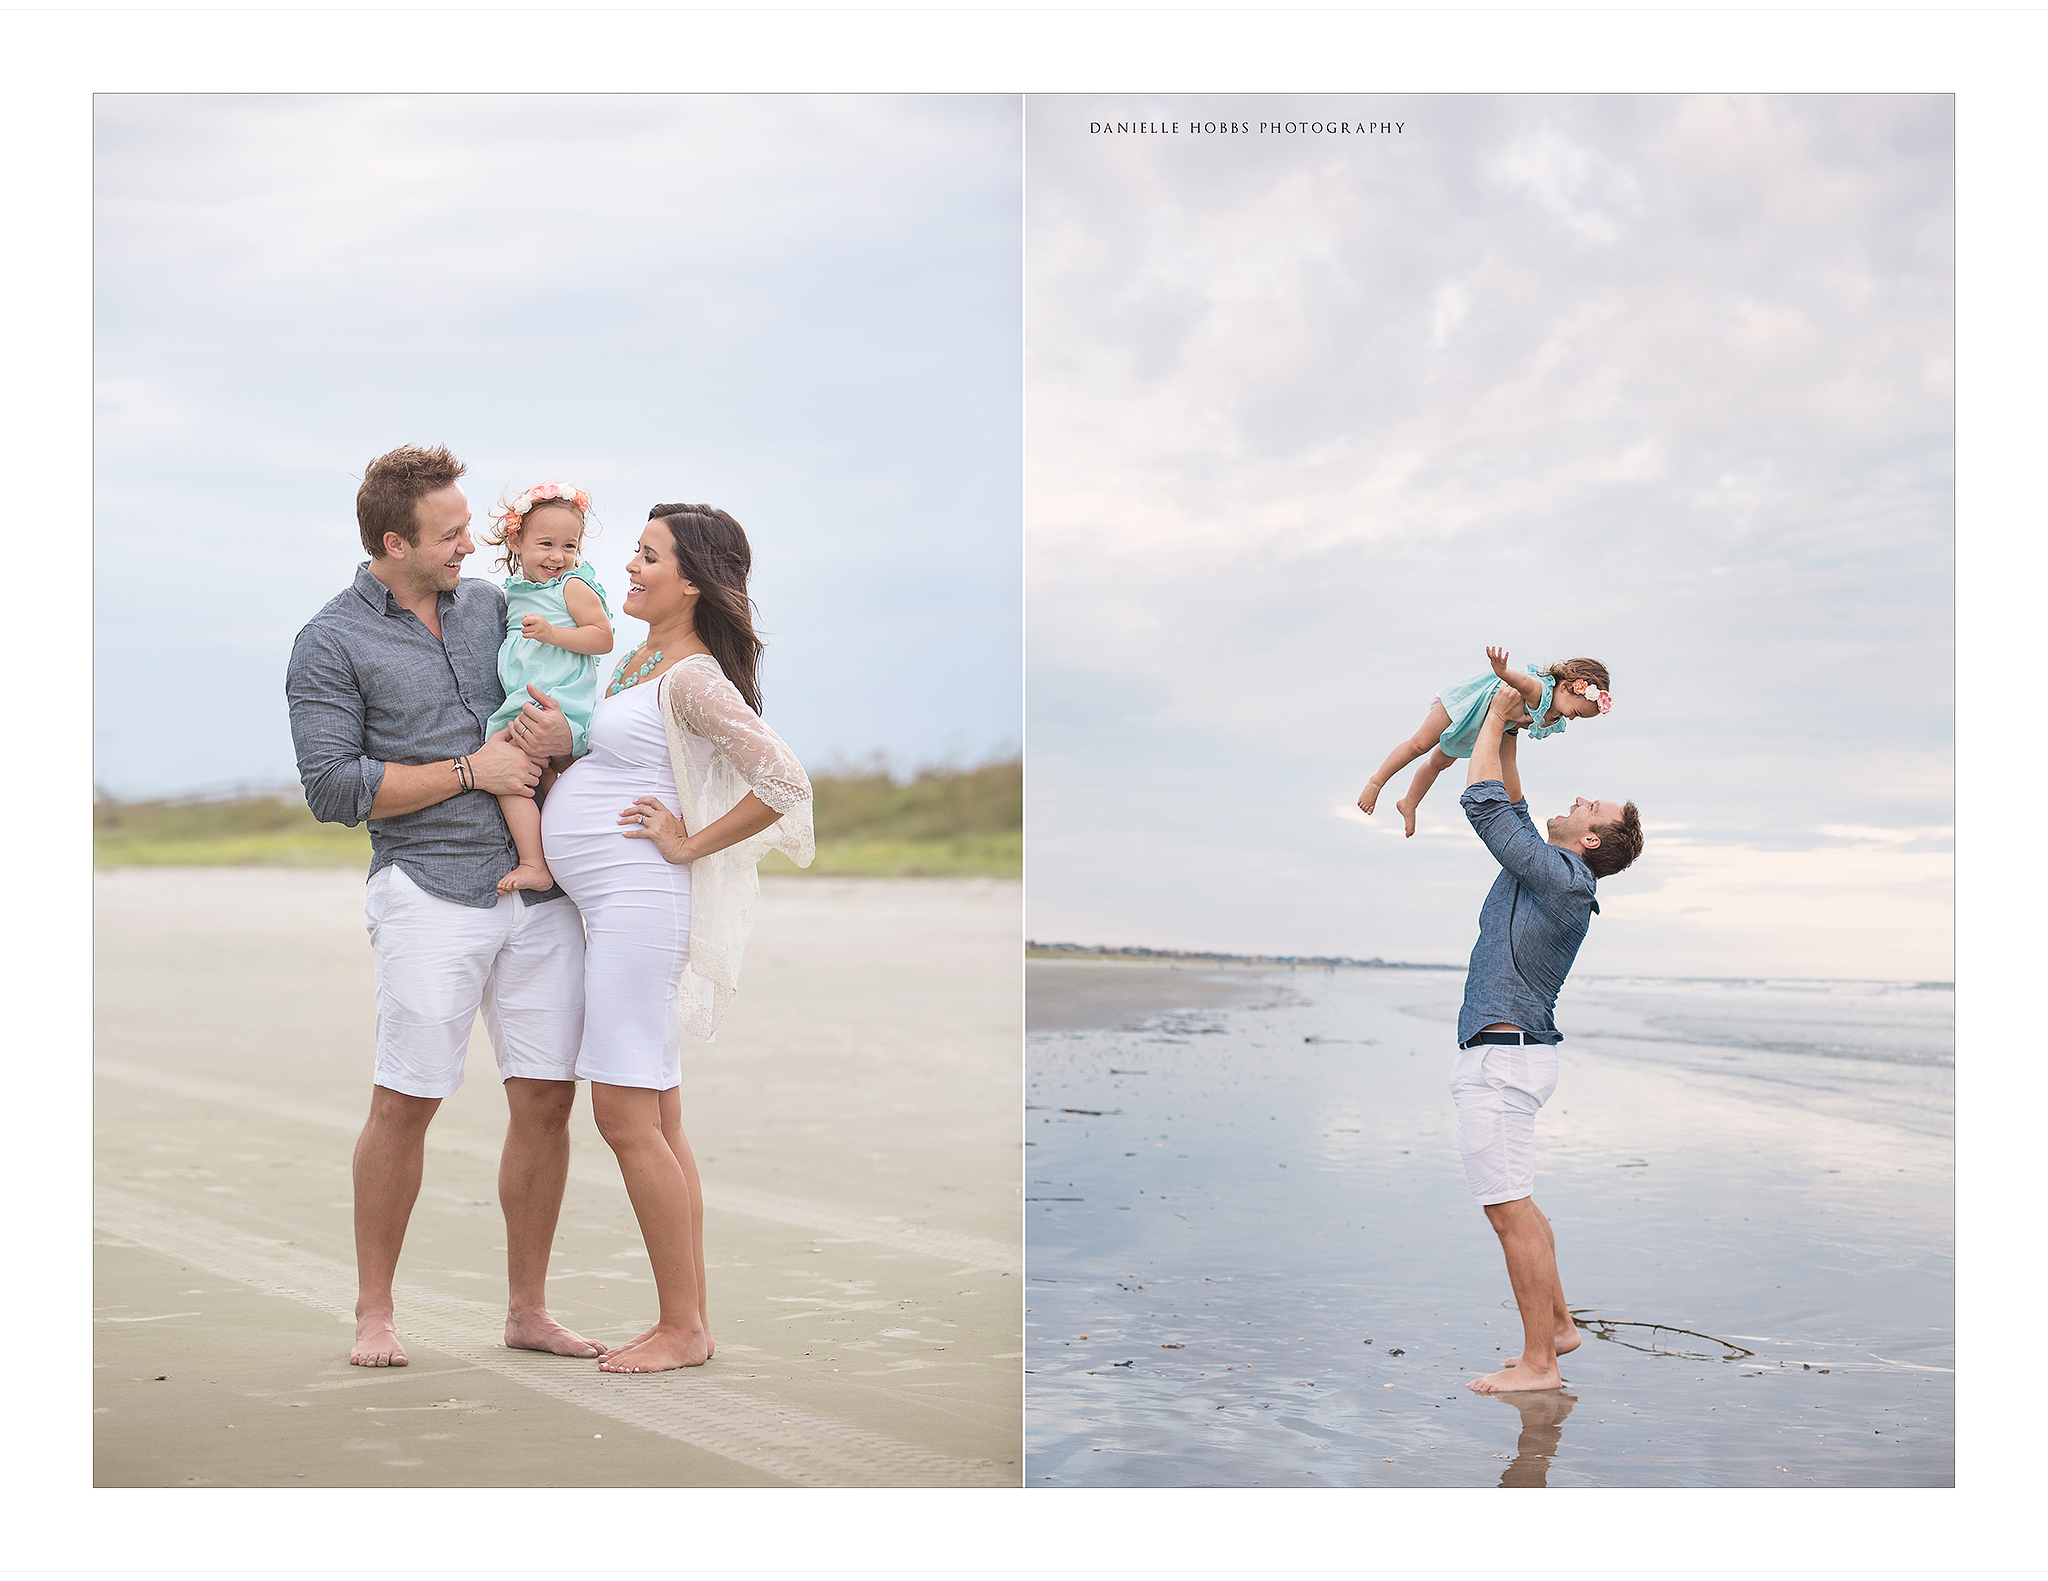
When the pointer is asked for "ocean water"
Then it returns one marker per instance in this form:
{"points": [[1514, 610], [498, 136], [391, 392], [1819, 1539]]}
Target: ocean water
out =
{"points": [[1252, 1259]]}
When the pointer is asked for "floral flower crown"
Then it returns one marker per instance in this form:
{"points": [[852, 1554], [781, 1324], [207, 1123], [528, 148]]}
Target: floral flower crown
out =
{"points": [[510, 516], [1588, 689]]}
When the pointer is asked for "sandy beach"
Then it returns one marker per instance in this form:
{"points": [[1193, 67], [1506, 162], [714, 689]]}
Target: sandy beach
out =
{"points": [[1253, 1261], [855, 1122]]}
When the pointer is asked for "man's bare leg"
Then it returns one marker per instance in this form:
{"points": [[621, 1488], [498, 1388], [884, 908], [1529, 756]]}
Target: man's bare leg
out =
{"points": [[669, 1205], [1567, 1339], [1532, 1271], [531, 1176], [389, 1158]]}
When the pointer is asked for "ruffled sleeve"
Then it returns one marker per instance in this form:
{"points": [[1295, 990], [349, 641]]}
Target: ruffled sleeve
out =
{"points": [[721, 750], [1534, 727], [709, 705]]}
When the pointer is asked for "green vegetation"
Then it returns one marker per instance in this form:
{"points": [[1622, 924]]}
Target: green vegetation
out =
{"points": [[940, 823], [256, 831]]}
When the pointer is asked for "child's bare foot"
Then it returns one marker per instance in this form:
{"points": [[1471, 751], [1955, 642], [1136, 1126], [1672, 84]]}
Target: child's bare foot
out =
{"points": [[538, 1331], [1406, 806], [377, 1343], [1513, 1380], [664, 1350], [1369, 798], [1567, 1341], [527, 875]]}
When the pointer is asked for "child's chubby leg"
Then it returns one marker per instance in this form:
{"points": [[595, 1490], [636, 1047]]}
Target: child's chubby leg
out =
{"points": [[1423, 741], [1437, 761], [522, 817]]}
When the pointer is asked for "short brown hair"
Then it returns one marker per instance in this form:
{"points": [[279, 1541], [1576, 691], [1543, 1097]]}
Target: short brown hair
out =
{"points": [[393, 486], [1589, 670], [1621, 842]]}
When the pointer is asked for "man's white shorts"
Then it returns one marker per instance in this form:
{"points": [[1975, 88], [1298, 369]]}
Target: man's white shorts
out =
{"points": [[438, 964], [1498, 1087]]}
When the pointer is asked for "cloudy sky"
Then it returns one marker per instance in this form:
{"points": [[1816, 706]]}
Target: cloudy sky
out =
{"points": [[1662, 380], [803, 309]]}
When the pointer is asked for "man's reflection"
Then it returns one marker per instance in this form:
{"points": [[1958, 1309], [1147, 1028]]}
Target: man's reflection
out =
{"points": [[1543, 1412]]}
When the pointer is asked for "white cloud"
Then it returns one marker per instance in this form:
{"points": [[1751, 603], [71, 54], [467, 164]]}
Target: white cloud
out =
{"points": [[1658, 380]]}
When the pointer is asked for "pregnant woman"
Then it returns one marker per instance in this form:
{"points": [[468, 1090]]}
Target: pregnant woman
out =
{"points": [[655, 836]]}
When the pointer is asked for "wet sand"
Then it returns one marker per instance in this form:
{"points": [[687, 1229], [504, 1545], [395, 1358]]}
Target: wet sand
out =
{"points": [[1074, 996], [856, 1127], [1253, 1260]]}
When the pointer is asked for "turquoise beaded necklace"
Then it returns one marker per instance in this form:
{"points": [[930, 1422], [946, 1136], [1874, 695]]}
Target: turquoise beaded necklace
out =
{"points": [[620, 680]]}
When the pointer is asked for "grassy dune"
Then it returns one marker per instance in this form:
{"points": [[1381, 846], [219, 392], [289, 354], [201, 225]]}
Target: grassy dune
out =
{"points": [[942, 822]]}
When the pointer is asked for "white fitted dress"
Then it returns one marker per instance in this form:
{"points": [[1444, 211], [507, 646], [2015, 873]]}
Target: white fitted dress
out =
{"points": [[642, 987]]}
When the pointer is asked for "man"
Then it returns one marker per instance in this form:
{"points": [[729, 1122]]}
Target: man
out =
{"points": [[1530, 929], [390, 687]]}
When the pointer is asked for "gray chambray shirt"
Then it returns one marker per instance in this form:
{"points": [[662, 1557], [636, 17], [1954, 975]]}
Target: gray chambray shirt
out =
{"points": [[1532, 924], [369, 685]]}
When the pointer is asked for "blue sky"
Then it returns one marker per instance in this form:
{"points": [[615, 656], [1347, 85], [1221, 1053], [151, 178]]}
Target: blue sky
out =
{"points": [[1664, 380], [801, 308]]}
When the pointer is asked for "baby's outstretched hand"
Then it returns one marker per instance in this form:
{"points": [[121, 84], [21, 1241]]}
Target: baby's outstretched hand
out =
{"points": [[1498, 658], [535, 626]]}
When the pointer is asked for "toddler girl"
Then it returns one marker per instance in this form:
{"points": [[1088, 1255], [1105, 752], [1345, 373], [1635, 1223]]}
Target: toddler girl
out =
{"points": [[556, 625], [1575, 689]]}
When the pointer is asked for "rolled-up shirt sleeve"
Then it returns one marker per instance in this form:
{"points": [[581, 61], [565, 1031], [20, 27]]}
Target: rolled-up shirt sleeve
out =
{"points": [[709, 705], [328, 731], [1510, 834]]}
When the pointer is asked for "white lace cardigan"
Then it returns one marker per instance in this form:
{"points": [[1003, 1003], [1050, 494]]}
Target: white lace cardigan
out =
{"points": [[720, 750]]}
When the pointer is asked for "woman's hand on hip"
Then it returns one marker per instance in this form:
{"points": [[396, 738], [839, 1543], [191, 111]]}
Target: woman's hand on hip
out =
{"points": [[648, 819]]}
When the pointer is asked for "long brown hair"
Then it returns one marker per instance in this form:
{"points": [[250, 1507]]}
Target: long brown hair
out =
{"points": [[713, 553]]}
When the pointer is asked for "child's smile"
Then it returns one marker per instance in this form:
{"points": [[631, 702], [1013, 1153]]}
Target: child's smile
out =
{"points": [[549, 546]]}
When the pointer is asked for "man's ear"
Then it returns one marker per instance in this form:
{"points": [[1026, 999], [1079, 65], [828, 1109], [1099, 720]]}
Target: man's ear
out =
{"points": [[395, 547], [1590, 841]]}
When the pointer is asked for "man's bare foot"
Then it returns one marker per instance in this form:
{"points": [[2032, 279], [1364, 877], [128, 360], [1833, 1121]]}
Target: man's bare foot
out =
{"points": [[1407, 810], [664, 1350], [1369, 798], [1510, 1380], [538, 1331], [527, 875], [376, 1343], [1567, 1340]]}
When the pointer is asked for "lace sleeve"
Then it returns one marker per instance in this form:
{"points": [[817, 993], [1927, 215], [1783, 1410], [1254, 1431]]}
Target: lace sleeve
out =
{"points": [[709, 705]]}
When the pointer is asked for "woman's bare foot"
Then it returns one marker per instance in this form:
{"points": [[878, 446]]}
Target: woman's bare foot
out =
{"points": [[1510, 1380], [1369, 798], [648, 1333], [1406, 806], [662, 1351], [1567, 1340], [527, 875], [538, 1331], [377, 1343]]}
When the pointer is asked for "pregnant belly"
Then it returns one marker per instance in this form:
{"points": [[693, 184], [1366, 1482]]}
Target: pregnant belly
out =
{"points": [[580, 829]]}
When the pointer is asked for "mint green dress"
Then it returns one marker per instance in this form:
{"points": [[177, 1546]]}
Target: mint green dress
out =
{"points": [[569, 678], [1468, 701]]}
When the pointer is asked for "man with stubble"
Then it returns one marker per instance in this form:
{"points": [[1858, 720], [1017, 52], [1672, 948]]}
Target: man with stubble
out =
{"points": [[391, 685], [1530, 929]]}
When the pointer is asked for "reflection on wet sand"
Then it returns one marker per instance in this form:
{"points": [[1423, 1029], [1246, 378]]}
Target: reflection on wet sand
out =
{"points": [[1543, 1412], [1267, 1200]]}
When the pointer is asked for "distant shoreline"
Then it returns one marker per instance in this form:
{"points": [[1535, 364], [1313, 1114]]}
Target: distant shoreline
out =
{"points": [[1035, 951]]}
